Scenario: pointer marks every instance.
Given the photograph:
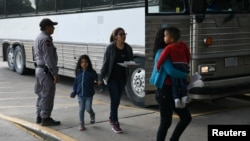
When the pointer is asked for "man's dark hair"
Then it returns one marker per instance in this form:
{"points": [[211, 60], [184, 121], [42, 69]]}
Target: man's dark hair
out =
{"points": [[174, 32]]}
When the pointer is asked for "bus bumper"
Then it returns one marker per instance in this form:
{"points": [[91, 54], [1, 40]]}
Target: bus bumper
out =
{"points": [[221, 88]]}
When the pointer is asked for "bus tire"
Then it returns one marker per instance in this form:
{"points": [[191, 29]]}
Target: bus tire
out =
{"points": [[136, 84], [19, 60], [11, 58]]}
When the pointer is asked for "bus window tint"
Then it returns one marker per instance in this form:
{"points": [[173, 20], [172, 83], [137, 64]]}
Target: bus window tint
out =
{"points": [[2, 13], [13, 7], [93, 3], [126, 1], [166, 6], [68, 4], [28, 6], [237, 6], [45, 5], [172, 6]]}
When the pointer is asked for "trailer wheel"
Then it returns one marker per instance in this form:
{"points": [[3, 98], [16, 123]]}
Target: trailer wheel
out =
{"points": [[19, 60], [11, 58], [135, 88]]}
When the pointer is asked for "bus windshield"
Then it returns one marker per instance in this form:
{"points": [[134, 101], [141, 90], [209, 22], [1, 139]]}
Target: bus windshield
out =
{"points": [[227, 6]]}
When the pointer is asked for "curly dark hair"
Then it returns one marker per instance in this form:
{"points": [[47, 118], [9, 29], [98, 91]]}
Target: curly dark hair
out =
{"points": [[78, 66]]}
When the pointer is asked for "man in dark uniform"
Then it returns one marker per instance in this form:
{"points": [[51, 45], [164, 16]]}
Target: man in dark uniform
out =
{"points": [[46, 73]]}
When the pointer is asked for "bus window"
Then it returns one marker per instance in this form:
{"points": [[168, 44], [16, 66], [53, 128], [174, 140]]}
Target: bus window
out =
{"points": [[2, 13], [166, 6], [94, 3], [68, 4], [45, 5], [172, 6], [16, 7], [126, 1], [28, 6], [236, 6], [13, 7]]}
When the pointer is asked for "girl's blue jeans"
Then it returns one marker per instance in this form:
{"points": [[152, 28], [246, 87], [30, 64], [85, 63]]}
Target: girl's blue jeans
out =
{"points": [[85, 103]]}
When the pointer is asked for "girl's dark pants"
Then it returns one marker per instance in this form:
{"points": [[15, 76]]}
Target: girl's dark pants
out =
{"points": [[116, 88], [166, 104]]}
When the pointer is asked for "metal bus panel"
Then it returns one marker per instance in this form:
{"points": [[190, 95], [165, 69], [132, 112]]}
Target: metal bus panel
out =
{"points": [[230, 52]]}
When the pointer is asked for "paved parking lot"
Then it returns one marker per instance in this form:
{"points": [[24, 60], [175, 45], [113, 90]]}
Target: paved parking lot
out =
{"points": [[17, 104]]}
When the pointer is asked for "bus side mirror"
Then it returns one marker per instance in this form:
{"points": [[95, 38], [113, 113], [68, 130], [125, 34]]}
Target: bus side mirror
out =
{"points": [[199, 6]]}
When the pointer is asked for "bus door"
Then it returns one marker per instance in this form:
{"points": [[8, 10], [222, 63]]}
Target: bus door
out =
{"points": [[161, 13]]}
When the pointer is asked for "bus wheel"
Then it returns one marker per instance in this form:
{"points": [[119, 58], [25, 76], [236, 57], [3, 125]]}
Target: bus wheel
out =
{"points": [[136, 85], [10, 58], [19, 60]]}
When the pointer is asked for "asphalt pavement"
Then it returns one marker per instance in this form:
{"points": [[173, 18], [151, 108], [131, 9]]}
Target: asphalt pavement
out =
{"points": [[12, 132], [17, 115]]}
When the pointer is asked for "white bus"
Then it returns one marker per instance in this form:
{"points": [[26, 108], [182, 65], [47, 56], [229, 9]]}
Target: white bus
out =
{"points": [[85, 26]]}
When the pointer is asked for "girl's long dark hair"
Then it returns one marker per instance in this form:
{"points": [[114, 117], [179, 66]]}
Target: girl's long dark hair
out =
{"points": [[159, 40], [78, 65]]}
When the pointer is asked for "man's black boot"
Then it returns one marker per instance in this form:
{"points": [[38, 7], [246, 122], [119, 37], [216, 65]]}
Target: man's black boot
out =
{"points": [[38, 120], [50, 122]]}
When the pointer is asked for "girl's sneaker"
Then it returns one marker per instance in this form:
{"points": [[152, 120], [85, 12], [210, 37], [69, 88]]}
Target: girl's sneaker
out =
{"points": [[82, 127], [92, 119]]}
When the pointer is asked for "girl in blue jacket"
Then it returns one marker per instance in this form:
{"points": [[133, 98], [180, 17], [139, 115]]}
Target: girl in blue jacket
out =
{"points": [[83, 86]]}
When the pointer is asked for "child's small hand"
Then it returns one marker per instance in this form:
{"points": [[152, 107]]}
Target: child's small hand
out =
{"points": [[99, 83]]}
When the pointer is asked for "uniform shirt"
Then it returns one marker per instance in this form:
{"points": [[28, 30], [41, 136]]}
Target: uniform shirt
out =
{"points": [[45, 52]]}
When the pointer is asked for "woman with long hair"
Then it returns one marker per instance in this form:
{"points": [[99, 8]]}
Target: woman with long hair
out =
{"points": [[164, 93], [115, 75]]}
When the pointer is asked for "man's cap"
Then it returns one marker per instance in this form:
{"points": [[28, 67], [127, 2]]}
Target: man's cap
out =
{"points": [[47, 22]]}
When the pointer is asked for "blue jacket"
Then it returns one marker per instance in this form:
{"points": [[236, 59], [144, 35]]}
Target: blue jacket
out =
{"points": [[158, 77], [84, 83]]}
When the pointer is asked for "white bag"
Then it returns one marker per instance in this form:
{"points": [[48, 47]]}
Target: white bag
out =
{"points": [[195, 81]]}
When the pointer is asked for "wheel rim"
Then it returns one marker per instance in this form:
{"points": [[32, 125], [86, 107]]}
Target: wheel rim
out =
{"points": [[11, 57], [138, 82], [19, 60]]}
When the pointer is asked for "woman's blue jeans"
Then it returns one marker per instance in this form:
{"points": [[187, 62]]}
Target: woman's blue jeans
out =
{"points": [[85, 103], [116, 88]]}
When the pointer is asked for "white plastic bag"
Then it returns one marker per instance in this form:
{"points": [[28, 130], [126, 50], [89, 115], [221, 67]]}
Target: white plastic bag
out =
{"points": [[195, 81]]}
